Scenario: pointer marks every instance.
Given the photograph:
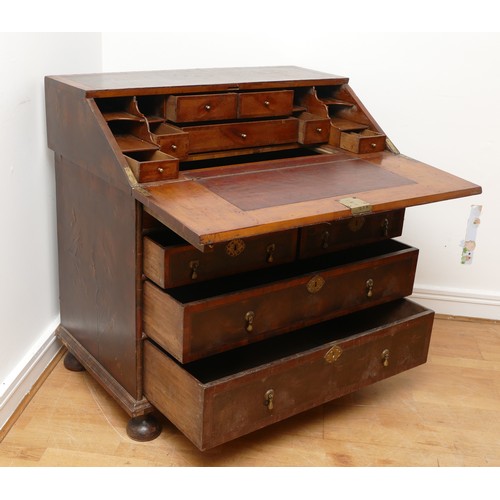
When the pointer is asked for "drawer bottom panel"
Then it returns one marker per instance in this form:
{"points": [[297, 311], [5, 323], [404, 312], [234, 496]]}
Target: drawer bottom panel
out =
{"points": [[220, 398]]}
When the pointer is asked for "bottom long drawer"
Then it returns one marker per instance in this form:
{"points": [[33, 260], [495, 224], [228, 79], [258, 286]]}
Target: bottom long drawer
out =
{"points": [[228, 395]]}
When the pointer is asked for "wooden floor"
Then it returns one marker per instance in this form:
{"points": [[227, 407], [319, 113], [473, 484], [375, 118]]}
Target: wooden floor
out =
{"points": [[444, 413]]}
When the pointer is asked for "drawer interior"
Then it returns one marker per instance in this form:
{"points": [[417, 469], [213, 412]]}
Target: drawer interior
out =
{"points": [[255, 356], [202, 291]]}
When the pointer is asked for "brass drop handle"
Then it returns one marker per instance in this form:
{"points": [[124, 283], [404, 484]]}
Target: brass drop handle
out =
{"points": [[385, 357], [385, 227], [268, 399], [270, 252], [249, 317], [369, 287], [194, 265], [325, 240]]}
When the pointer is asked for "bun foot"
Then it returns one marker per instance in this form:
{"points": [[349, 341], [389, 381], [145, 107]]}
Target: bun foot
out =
{"points": [[72, 364], [144, 428]]}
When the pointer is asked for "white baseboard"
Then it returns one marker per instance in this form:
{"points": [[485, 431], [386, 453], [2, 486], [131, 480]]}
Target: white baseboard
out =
{"points": [[22, 379], [458, 302]]}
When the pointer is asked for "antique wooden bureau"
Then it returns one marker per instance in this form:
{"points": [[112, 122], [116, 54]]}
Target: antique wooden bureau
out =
{"points": [[226, 251]]}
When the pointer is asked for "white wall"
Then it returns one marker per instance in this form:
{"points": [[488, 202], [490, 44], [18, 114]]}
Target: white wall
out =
{"points": [[28, 249], [437, 96]]}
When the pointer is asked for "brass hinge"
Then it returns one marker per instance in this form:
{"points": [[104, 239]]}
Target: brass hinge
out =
{"points": [[357, 205]]}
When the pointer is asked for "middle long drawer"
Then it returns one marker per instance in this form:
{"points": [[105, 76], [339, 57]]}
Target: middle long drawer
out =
{"points": [[196, 321]]}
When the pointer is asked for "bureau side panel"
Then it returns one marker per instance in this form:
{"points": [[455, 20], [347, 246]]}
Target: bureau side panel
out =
{"points": [[97, 269]]}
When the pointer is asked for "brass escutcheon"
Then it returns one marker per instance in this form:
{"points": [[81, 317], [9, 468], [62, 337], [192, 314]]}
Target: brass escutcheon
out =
{"points": [[235, 247], [315, 284], [333, 354]]}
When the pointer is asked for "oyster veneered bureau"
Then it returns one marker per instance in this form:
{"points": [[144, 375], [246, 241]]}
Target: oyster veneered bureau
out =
{"points": [[226, 243]]}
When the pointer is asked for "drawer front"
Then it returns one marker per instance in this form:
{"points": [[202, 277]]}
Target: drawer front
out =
{"points": [[207, 107], [262, 104], [170, 265], [216, 400], [366, 141], [153, 166], [207, 325], [328, 237], [314, 131], [205, 138], [171, 140]]}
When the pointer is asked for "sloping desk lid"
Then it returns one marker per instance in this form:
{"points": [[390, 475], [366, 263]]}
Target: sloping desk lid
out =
{"points": [[207, 206]]}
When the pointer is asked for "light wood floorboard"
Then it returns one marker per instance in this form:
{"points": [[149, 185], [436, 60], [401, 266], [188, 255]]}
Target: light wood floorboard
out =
{"points": [[444, 413]]}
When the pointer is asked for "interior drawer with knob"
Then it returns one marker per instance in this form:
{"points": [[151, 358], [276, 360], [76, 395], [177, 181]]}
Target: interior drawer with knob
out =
{"points": [[152, 166], [200, 320], [313, 129], [202, 107], [218, 399], [364, 141], [343, 233], [262, 104], [171, 140], [170, 262], [225, 136]]}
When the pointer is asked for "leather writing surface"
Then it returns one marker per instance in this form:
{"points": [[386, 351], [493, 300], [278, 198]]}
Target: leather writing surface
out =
{"points": [[302, 183]]}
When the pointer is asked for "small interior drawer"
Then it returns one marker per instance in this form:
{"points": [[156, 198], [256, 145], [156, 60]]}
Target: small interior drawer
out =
{"points": [[226, 396], [199, 320], [364, 141], [202, 107], [262, 104], [203, 138], [170, 262], [152, 166], [313, 129], [172, 140], [343, 233]]}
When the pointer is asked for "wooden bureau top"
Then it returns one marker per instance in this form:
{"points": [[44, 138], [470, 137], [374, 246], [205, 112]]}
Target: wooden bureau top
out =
{"points": [[193, 80]]}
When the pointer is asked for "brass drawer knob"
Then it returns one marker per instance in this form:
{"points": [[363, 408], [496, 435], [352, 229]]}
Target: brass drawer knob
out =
{"points": [[194, 265], [385, 357], [266, 103], [174, 147], [160, 170], [249, 317], [270, 252], [208, 107], [269, 399], [369, 287], [373, 145], [319, 130], [243, 135]]}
